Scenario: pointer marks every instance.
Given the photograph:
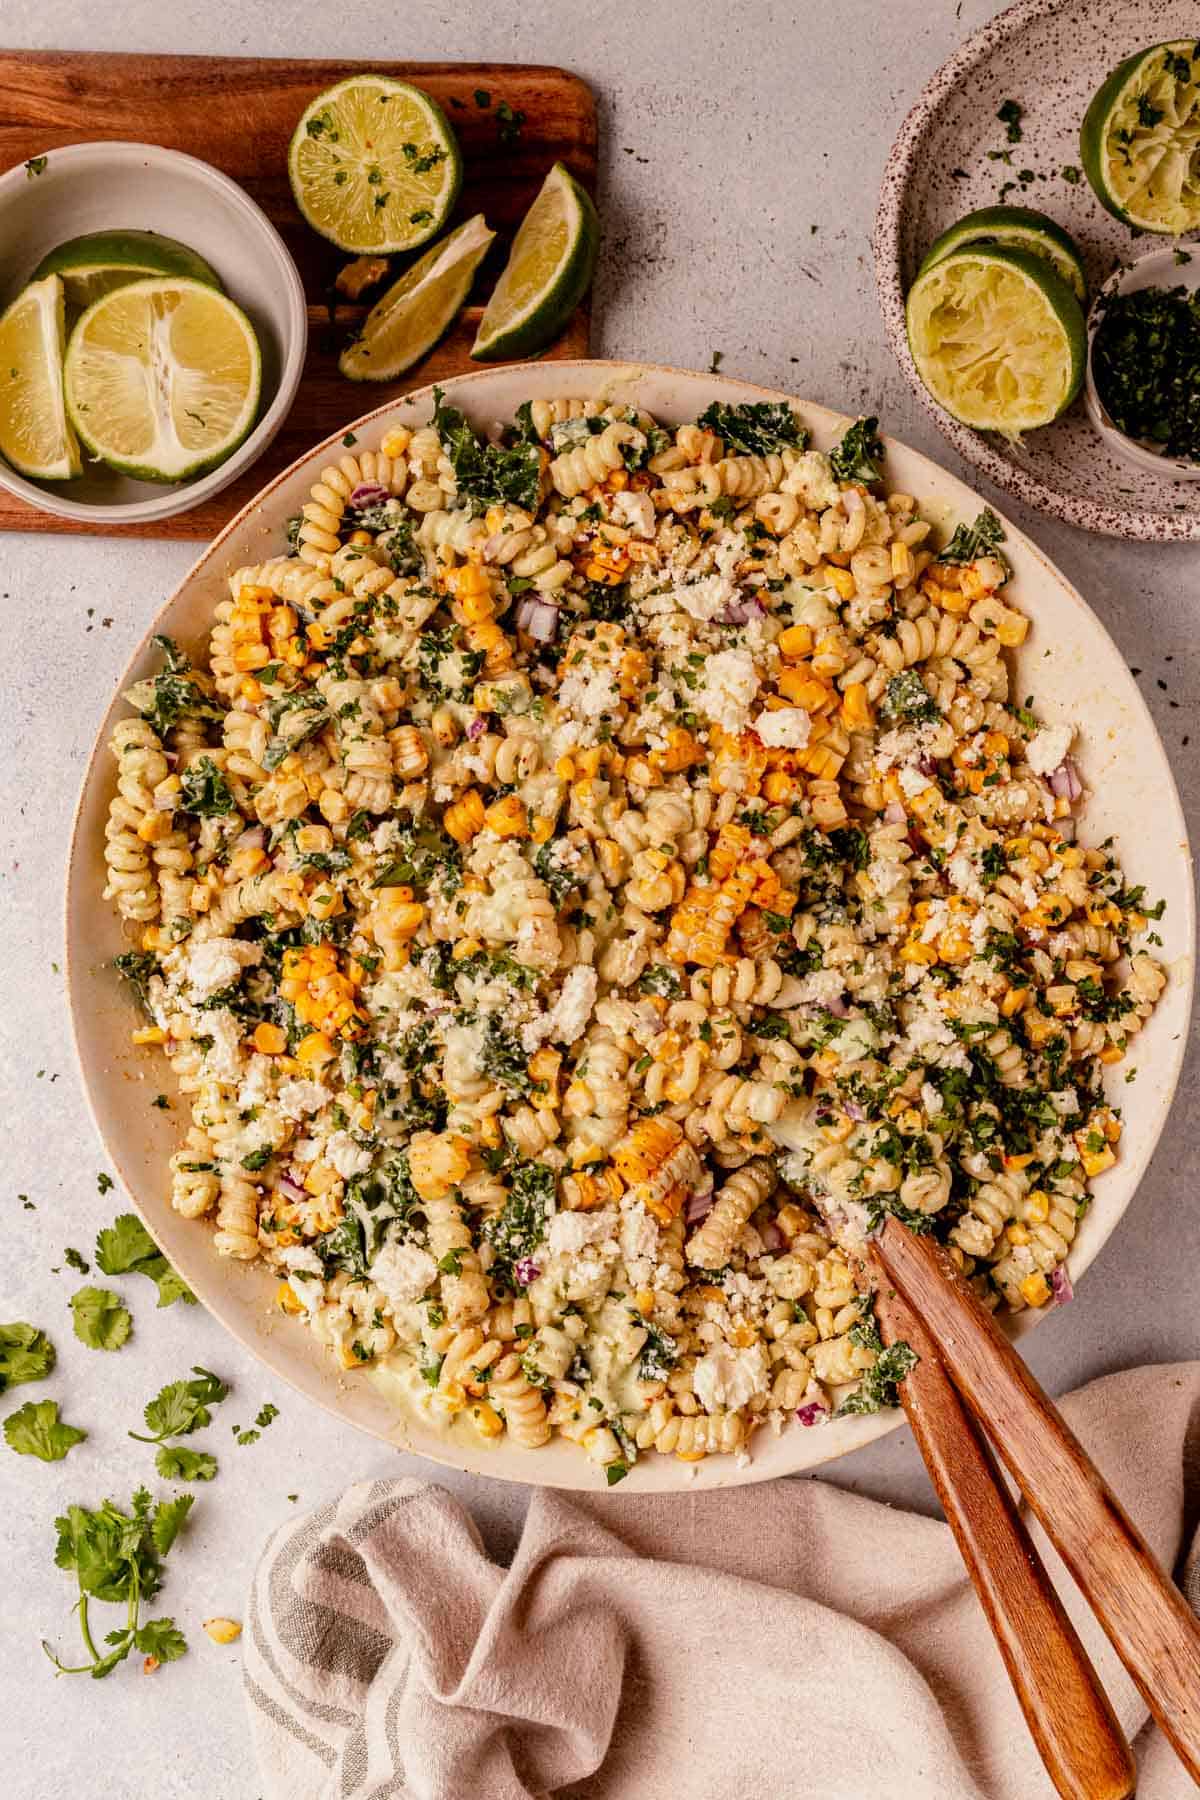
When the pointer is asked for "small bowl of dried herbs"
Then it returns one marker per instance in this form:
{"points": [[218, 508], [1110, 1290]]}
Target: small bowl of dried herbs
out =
{"points": [[1142, 387]]}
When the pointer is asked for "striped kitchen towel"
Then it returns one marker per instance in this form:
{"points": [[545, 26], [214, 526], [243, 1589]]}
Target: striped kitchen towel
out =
{"points": [[783, 1640]]}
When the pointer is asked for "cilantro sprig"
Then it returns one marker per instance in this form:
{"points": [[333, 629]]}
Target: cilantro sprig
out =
{"points": [[26, 1354], [181, 1407], [101, 1321], [117, 1557], [35, 1429], [126, 1248]]}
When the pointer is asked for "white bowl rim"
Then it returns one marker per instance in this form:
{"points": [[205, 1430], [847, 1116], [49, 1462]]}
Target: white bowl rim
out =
{"points": [[1123, 279], [664, 1475], [1145, 524], [182, 499]]}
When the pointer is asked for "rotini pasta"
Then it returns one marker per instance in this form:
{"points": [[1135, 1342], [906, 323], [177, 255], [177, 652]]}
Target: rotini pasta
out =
{"points": [[596, 875]]}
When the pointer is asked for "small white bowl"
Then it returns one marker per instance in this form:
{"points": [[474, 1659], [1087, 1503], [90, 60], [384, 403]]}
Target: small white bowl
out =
{"points": [[1159, 269], [118, 186]]}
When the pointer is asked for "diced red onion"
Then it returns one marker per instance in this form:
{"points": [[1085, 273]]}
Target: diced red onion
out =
{"points": [[741, 612], [291, 1187], [1064, 782], [853, 1110], [927, 766], [477, 727], [1060, 1282], [526, 1270], [368, 493], [699, 1202], [539, 618], [252, 839], [894, 813], [811, 1413], [839, 1006], [773, 1238], [852, 500], [164, 803]]}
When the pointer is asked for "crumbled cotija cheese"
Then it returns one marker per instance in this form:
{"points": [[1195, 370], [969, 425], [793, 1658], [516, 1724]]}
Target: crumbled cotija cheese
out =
{"points": [[347, 1157], [728, 689], [296, 1099], [403, 1271], [216, 963], [725, 1378], [570, 1231], [788, 727], [1045, 752]]}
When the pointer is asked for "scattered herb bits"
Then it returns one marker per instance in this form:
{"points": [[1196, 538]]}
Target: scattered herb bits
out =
{"points": [[1146, 367]]}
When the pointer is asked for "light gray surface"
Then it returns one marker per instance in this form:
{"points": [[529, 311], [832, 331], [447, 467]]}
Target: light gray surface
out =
{"points": [[727, 135]]}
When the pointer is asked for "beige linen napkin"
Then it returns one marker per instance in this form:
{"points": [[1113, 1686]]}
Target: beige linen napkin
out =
{"points": [[770, 1642]]}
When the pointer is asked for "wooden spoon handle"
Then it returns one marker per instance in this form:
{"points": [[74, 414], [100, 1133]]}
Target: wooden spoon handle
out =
{"points": [[1065, 1707], [1150, 1624]]}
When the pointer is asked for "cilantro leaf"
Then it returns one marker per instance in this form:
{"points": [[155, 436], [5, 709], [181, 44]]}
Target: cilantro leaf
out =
{"points": [[177, 1463], [182, 1407], [859, 456], [755, 429], [101, 1322], [161, 1638], [205, 790], [126, 1248], [26, 1354], [878, 1386], [173, 694], [168, 1521], [36, 1430]]}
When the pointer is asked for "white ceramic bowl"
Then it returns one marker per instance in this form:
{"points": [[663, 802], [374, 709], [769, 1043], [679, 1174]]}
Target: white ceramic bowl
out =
{"points": [[106, 187], [1161, 269], [1071, 664]]}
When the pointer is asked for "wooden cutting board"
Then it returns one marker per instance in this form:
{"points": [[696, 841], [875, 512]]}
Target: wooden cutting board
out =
{"points": [[239, 113]]}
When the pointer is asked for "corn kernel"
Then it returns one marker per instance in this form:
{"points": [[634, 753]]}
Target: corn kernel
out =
{"points": [[270, 1039], [1111, 1054], [1035, 1290], [287, 1300], [541, 830], [395, 442], [1017, 1234], [223, 1631], [841, 580], [1037, 1206], [507, 817], [487, 1420], [314, 1049], [148, 1034], [1096, 1162]]}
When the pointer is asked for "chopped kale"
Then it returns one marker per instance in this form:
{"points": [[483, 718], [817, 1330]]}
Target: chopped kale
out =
{"points": [[205, 790], [503, 1059], [906, 698], [136, 967], [755, 429], [659, 1355], [173, 694], [422, 854], [294, 719], [983, 538], [660, 978], [859, 456], [520, 1226], [560, 880], [487, 474]]}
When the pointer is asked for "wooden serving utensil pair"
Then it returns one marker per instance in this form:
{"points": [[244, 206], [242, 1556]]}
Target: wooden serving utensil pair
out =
{"points": [[969, 1381]]}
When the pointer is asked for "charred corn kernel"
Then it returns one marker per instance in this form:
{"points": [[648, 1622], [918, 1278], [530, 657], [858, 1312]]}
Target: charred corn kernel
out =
{"points": [[1035, 1290], [825, 1062], [507, 817], [317, 636], [395, 442], [251, 656], [270, 1039], [1013, 1002], [488, 1422], [545, 1063], [1112, 1053], [154, 827], [910, 1120], [1018, 1162], [148, 1034], [464, 947], [223, 1631], [646, 1148], [795, 642], [839, 1132], [856, 708], [251, 690], [643, 1299], [248, 862], [1037, 1206], [286, 1298], [841, 580], [1016, 1234], [780, 788], [464, 819], [469, 578], [1095, 1162], [314, 1049], [541, 830], [803, 689], [1038, 1028], [476, 607], [914, 951], [680, 751], [489, 1132]]}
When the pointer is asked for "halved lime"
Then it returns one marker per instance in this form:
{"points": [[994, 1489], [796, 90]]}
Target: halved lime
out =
{"points": [[1140, 139], [162, 378], [374, 165], [998, 338], [410, 318], [34, 434], [543, 281], [93, 265], [1021, 228]]}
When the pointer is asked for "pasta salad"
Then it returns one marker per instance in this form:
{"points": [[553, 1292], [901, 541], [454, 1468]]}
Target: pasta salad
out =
{"points": [[592, 875]]}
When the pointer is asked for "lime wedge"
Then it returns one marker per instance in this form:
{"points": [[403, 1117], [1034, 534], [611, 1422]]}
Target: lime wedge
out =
{"points": [[374, 165], [410, 318], [1140, 139], [93, 265], [34, 435], [547, 274], [162, 378], [1021, 228], [998, 338]]}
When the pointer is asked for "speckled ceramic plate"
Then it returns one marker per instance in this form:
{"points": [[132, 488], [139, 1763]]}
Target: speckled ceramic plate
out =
{"points": [[1049, 56], [1071, 663]]}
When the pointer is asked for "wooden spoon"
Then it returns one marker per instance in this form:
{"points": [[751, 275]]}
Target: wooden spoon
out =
{"points": [[1066, 1709], [1147, 1619]]}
